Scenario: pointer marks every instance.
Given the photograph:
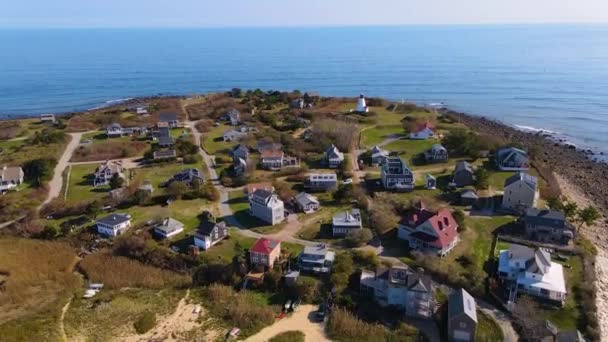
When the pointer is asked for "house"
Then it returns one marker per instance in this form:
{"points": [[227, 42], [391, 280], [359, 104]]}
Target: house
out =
{"points": [[429, 231], [436, 154], [361, 106], [430, 182], [512, 159], [531, 271], [164, 154], [321, 181], [468, 197], [210, 233], [316, 259], [306, 202], [266, 206], [395, 175], [48, 118], [464, 174], [165, 141], [251, 187], [462, 316], [289, 161], [265, 144], [240, 151], [233, 135], [114, 130], [168, 227], [234, 116], [113, 225], [520, 192], [106, 171], [170, 119], [548, 226], [272, 159], [10, 177], [239, 165], [345, 222], [142, 110], [423, 132], [297, 104], [378, 155], [400, 288], [333, 157], [264, 253], [187, 176]]}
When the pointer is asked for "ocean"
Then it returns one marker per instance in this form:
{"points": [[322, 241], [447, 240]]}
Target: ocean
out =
{"points": [[549, 77]]}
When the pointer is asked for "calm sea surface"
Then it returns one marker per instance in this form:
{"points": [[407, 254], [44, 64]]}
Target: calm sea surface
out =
{"points": [[539, 76]]}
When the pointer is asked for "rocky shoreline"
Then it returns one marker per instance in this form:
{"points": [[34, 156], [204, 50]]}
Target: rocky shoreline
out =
{"points": [[559, 156]]}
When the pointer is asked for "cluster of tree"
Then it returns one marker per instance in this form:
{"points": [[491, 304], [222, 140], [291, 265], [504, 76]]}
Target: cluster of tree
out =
{"points": [[341, 133], [39, 171], [179, 190], [482, 178], [358, 237], [187, 150], [461, 143], [343, 325], [342, 269], [383, 217], [143, 249], [48, 136], [583, 216]]}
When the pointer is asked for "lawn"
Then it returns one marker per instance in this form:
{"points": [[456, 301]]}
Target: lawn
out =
{"points": [[112, 313], [185, 211], [213, 141], [319, 224], [159, 174], [375, 135], [410, 149], [17, 152], [240, 208], [80, 185]]}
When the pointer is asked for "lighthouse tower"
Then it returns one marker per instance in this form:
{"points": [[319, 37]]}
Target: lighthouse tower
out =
{"points": [[361, 107]]}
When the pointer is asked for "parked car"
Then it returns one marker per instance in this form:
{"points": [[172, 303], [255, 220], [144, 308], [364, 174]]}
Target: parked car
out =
{"points": [[287, 305], [348, 181], [321, 312], [295, 305]]}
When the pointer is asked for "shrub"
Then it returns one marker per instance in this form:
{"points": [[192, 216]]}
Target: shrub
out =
{"points": [[343, 325], [39, 171], [459, 216], [358, 237], [145, 323], [289, 336]]}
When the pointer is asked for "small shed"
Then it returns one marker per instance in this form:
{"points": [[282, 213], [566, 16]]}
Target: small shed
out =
{"points": [[430, 182], [468, 197], [291, 277]]}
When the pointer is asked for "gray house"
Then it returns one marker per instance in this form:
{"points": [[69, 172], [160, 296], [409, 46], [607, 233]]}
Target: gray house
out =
{"points": [[234, 116], [512, 159], [462, 316], [170, 119], [168, 227], [321, 181], [396, 176], [240, 151], [239, 165], [436, 154], [10, 177], [520, 192], [333, 157], [378, 155], [547, 226], [210, 233], [345, 222], [464, 174], [306, 202], [316, 259]]}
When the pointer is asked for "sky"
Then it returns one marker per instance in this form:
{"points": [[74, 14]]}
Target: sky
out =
{"points": [[263, 13]]}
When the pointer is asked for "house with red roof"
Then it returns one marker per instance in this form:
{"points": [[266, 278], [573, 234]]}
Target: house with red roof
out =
{"points": [[264, 253], [429, 231], [422, 132]]}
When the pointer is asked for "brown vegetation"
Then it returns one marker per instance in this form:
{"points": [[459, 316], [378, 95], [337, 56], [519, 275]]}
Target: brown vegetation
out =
{"points": [[344, 326], [117, 272], [9, 129], [329, 131], [109, 150]]}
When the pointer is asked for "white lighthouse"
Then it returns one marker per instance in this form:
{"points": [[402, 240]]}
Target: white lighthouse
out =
{"points": [[361, 107]]}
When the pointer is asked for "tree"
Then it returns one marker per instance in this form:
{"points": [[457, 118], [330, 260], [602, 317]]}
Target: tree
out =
{"points": [[141, 196], [93, 209], [342, 269], [176, 190], [587, 216], [382, 217], [358, 237], [459, 216], [570, 209], [481, 178], [344, 193], [40, 170], [555, 203], [116, 181]]}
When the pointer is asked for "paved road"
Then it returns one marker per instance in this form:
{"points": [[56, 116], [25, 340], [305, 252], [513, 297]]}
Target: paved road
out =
{"points": [[56, 182]]}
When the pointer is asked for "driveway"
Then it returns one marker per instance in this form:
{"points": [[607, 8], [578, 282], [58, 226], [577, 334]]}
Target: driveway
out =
{"points": [[301, 320], [56, 182]]}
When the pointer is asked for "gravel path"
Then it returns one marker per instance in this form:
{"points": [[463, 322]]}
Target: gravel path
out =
{"points": [[56, 182]]}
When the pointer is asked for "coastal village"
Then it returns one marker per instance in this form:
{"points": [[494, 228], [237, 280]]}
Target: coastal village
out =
{"points": [[288, 216]]}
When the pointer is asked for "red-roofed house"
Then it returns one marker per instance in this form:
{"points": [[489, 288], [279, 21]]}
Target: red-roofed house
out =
{"points": [[423, 132], [265, 252], [272, 159], [429, 231]]}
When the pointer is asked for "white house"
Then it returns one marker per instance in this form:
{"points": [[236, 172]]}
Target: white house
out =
{"points": [[168, 227], [532, 272], [10, 177], [361, 106], [345, 222], [266, 206], [113, 225], [423, 132], [430, 182], [114, 130], [521, 192], [47, 118]]}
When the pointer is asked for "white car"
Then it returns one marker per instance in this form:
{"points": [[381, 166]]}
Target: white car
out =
{"points": [[347, 181]]}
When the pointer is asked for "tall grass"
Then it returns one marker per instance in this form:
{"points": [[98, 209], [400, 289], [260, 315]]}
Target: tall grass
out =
{"points": [[118, 272]]}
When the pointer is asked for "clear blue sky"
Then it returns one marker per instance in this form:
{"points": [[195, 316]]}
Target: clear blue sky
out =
{"points": [[222, 13]]}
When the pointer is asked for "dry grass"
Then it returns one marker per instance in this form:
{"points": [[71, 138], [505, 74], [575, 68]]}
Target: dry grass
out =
{"points": [[117, 272], [110, 150], [344, 326]]}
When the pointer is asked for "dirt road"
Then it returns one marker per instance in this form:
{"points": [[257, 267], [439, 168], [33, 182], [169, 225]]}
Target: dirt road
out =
{"points": [[302, 320], [56, 182]]}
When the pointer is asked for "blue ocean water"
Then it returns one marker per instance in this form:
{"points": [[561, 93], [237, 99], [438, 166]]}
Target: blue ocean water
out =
{"points": [[552, 77]]}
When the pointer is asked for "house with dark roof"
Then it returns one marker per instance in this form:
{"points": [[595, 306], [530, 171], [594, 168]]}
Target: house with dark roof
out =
{"points": [[234, 116], [307, 203], [430, 182], [233, 135], [430, 231], [239, 166], [462, 316], [250, 188], [165, 141], [316, 259], [400, 288], [549, 226], [464, 174], [187, 176], [240, 151], [164, 154], [170, 119], [345, 222], [265, 144], [378, 155], [396, 176], [520, 192], [321, 181], [106, 171], [266, 206], [436, 154], [210, 232], [168, 227], [423, 132], [512, 159], [113, 225], [114, 130], [530, 271], [333, 157], [264, 253], [10, 177]]}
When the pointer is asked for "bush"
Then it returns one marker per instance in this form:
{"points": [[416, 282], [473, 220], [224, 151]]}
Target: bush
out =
{"points": [[289, 336], [145, 323], [39, 171], [459, 216], [358, 237], [344, 326]]}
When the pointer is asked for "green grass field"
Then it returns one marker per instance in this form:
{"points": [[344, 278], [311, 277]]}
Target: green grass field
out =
{"points": [[212, 140], [375, 135], [80, 188]]}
